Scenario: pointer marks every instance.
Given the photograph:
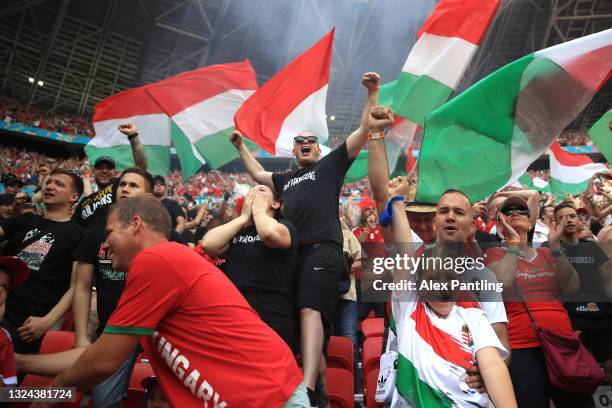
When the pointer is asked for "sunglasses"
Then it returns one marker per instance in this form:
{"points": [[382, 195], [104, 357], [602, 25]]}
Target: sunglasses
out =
{"points": [[307, 139], [515, 210]]}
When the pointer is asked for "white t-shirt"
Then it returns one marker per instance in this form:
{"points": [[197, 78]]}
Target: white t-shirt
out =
{"points": [[435, 353]]}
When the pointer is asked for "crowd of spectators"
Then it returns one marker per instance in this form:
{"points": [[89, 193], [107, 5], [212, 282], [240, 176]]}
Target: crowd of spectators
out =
{"points": [[11, 111]]}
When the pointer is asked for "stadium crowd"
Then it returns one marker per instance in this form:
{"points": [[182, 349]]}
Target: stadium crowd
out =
{"points": [[135, 259]]}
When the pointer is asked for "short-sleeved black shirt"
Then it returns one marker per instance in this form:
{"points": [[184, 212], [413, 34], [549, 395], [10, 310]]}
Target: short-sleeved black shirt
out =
{"points": [[586, 257], [174, 209], [46, 246], [310, 197], [92, 210], [251, 265], [109, 283]]}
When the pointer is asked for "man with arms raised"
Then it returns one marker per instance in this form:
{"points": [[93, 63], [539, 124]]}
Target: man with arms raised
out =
{"points": [[310, 197]]}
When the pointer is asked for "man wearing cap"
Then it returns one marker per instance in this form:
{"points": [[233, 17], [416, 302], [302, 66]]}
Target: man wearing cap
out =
{"points": [[421, 218], [177, 216], [12, 185], [91, 210], [45, 243], [13, 272], [310, 197]]}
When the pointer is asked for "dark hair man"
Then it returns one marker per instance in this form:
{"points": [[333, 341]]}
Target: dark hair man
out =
{"points": [[91, 210], [589, 310], [177, 216], [310, 197], [45, 243]]}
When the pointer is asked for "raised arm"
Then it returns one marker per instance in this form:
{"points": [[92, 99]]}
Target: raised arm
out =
{"points": [[358, 139], [140, 157], [253, 167]]}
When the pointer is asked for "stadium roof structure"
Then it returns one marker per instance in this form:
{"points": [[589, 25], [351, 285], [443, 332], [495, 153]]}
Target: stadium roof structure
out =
{"points": [[84, 51]]}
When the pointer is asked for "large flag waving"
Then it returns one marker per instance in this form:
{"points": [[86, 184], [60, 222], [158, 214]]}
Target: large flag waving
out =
{"points": [[135, 106], [292, 101], [571, 172], [202, 104], [444, 48], [601, 135], [486, 137]]}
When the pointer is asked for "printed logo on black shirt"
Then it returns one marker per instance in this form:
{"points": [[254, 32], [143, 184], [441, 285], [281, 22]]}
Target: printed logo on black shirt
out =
{"points": [[292, 182]]}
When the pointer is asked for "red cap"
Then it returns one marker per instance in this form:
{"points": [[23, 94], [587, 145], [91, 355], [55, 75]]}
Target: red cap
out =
{"points": [[16, 269]]}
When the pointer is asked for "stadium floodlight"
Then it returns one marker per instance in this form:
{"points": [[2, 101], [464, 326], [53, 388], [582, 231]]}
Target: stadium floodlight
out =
{"points": [[31, 80], [332, 117], [40, 83]]}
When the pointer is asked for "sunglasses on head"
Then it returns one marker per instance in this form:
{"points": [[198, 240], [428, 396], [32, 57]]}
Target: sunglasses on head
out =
{"points": [[515, 210], [307, 139]]}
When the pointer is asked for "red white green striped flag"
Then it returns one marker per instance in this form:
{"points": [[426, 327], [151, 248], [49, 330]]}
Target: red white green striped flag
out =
{"points": [[292, 101], [444, 48], [133, 106], [571, 172], [486, 137], [202, 104]]}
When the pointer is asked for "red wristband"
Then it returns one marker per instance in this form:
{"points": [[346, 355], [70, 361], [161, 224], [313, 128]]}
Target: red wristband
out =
{"points": [[372, 89]]}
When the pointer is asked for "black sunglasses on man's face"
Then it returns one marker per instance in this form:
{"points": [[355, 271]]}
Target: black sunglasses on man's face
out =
{"points": [[307, 139], [518, 210]]}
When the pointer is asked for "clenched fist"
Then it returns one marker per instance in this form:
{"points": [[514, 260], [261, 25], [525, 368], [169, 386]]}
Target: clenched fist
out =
{"points": [[370, 80], [236, 139], [380, 118], [128, 129]]}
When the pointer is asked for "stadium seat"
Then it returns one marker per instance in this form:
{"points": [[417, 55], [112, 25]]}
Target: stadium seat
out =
{"points": [[372, 348], [136, 393], [340, 388], [370, 390], [373, 327], [57, 340], [53, 342], [340, 353]]}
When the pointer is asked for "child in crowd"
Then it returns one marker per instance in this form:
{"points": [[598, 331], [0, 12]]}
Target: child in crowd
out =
{"points": [[13, 272]]}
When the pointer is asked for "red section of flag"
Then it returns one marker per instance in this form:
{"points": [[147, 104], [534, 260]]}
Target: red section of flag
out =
{"points": [[132, 102], [592, 69], [443, 344], [261, 117], [467, 19], [181, 91], [569, 159]]}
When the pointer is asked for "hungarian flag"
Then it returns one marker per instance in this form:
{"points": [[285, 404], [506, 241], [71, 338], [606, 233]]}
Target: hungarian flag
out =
{"points": [[601, 135], [486, 137], [202, 104], [532, 183], [444, 48], [292, 101], [131, 106], [571, 172]]}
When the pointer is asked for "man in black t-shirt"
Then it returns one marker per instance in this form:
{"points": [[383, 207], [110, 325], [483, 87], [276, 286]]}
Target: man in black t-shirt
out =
{"points": [[45, 243], [177, 216], [260, 251], [92, 209], [589, 309], [310, 197], [94, 262]]}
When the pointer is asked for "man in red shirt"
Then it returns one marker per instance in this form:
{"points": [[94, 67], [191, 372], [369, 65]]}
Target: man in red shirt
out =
{"points": [[206, 344]]}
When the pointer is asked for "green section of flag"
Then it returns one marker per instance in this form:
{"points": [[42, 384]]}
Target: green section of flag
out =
{"points": [[559, 188], [158, 157], [417, 391], [190, 164], [217, 150], [467, 142], [601, 135], [359, 168]]}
